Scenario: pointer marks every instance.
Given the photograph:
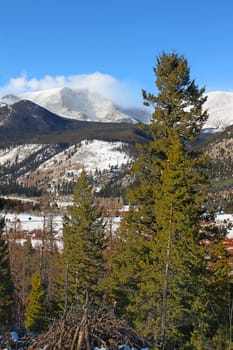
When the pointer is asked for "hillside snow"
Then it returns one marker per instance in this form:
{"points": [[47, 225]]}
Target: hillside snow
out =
{"points": [[88, 155], [66, 165], [17, 154], [220, 109]]}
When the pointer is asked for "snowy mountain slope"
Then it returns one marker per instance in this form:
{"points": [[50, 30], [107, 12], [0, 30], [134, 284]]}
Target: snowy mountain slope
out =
{"points": [[84, 104], [17, 160], [48, 166], [67, 165], [90, 155], [220, 109], [17, 154], [78, 104]]}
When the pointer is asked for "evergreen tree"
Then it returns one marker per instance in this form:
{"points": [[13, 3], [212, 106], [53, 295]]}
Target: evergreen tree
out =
{"points": [[84, 244], [6, 286], [161, 278], [35, 314]]}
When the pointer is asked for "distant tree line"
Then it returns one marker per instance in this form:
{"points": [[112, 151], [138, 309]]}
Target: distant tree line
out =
{"points": [[14, 187], [20, 206]]}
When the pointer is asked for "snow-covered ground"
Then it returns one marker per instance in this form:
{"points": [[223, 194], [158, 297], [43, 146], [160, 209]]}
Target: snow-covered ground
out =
{"points": [[23, 225], [17, 154], [28, 222], [20, 226], [226, 219]]}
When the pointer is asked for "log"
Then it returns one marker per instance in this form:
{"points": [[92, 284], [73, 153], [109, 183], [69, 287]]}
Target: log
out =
{"points": [[86, 330]]}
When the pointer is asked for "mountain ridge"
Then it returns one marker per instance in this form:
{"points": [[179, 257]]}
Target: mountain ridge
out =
{"points": [[80, 104], [87, 105], [27, 122]]}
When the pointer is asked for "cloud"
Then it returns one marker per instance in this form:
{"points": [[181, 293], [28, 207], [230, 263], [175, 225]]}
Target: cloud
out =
{"points": [[126, 93]]}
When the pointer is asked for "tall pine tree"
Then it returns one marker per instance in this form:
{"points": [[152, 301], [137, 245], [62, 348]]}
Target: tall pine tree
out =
{"points": [[161, 277], [84, 244]]}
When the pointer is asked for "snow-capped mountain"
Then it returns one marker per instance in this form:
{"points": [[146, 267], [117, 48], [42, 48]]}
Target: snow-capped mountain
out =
{"points": [[81, 104], [84, 104], [220, 109], [10, 99], [27, 122]]}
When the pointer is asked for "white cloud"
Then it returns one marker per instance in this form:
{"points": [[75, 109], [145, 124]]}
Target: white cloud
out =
{"points": [[125, 93]]}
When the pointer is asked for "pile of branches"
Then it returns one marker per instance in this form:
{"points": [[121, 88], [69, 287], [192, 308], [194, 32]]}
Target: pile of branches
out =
{"points": [[101, 329]]}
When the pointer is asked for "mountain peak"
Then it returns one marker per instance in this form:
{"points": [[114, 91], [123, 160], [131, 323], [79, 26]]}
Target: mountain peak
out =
{"points": [[87, 105], [81, 104], [10, 99], [219, 106]]}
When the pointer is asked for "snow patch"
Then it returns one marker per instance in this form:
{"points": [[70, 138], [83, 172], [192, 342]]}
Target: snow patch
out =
{"points": [[219, 105], [17, 154], [89, 155], [226, 219]]}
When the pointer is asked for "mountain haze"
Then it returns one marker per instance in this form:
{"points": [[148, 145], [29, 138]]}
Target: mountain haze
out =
{"points": [[10, 99], [82, 104]]}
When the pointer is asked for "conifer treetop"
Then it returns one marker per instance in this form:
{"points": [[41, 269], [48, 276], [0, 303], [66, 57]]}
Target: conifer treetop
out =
{"points": [[179, 102]]}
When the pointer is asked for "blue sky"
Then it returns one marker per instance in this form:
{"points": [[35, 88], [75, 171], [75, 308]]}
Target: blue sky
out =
{"points": [[113, 43]]}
